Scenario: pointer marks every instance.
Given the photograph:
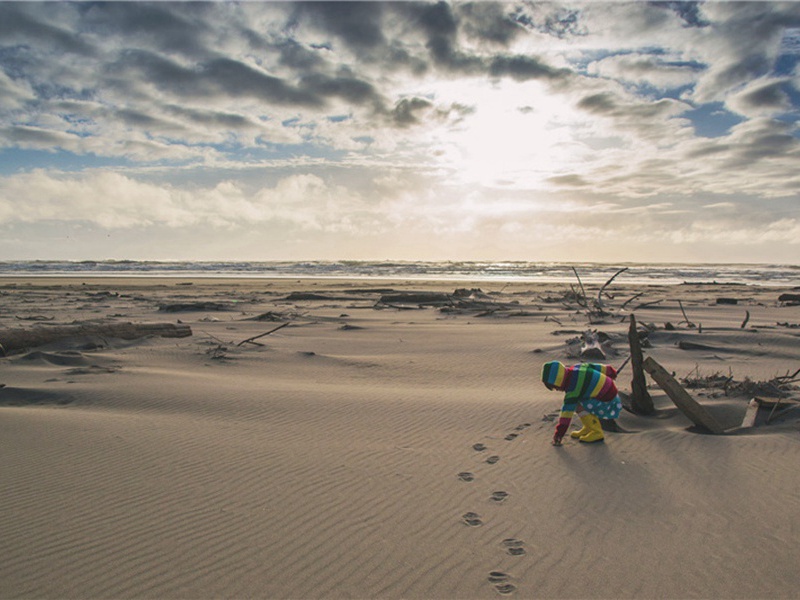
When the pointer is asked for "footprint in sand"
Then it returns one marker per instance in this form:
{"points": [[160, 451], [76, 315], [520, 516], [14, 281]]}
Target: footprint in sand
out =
{"points": [[511, 436], [479, 447], [522, 426], [499, 496], [493, 459], [514, 547], [466, 476], [472, 519], [500, 580]]}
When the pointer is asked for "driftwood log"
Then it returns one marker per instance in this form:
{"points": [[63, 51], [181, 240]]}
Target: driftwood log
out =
{"points": [[19, 339], [641, 402], [695, 411]]}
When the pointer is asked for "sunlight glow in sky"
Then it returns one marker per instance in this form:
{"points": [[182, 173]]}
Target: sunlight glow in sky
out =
{"points": [[591, 131]]}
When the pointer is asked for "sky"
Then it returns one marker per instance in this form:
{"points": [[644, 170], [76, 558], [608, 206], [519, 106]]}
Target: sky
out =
{"points": [[567, 131]]}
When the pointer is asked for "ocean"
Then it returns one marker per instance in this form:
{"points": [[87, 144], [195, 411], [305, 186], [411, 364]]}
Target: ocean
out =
{"points": [[665, 274]]}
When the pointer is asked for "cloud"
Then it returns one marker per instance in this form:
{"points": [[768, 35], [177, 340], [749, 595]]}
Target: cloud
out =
{"points": [[646, 69], [117, 201], [14, 94], [762, 97]]}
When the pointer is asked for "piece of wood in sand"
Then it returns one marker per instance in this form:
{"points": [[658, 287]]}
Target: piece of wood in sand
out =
{"points": [[751, 413], [695, 411], [641, 402], [20, 339]]}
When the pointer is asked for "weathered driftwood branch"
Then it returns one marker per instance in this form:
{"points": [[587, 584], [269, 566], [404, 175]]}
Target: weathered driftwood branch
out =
{"points": [[20, 339], [583, 291], [746, 319], [629, 300], [685, 317], [695, 411], [255, 337], [641, 402], [605, 285]]}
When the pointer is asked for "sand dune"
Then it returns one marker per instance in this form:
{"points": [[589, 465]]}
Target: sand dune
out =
{"points": [[377, 452]]}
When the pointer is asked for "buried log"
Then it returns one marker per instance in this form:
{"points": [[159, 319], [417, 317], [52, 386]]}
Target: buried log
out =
{"points": [[20, 339], [695, 411]]}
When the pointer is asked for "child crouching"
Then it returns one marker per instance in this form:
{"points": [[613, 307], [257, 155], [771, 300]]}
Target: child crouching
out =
{"points": [[590, 391]]}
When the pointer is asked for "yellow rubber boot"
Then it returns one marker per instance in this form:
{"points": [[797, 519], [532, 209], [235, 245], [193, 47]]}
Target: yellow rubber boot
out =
{"points": [[596, 430], [586, 420]]}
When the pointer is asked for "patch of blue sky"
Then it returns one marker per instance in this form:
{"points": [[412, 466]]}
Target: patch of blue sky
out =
{"points": [[712, 120], [271, 151], [18, 160]]}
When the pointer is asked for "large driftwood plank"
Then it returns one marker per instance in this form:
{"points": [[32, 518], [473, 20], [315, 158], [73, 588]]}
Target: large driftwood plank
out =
{"points": [[20, 339], [696, 412]]}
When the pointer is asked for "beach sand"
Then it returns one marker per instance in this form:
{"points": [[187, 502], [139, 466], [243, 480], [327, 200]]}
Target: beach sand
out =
{"points": [[384, 451]]}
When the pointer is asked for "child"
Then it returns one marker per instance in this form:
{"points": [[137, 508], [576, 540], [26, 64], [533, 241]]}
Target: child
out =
{"points": [[589, 387]]}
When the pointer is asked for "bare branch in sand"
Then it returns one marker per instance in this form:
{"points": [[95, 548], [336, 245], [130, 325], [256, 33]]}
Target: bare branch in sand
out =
{"points": [[255, 337], [582, 298], [599, 302], [685, 317]]}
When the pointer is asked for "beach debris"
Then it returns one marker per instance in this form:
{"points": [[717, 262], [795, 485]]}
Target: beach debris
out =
{"points": [[295, 296], [692, 409], [599, 302], [252, 340], [789, 299], [686, 320], [420, 299], [20, 339], [778, 387], [640, 401], [193, 306], [763, 411], [589, 345], [592, 348], [267, 316], [746, 319]]}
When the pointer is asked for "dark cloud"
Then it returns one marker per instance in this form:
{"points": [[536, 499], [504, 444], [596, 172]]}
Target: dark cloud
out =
{"points": [[170, 27], [222, 77], [523, 68], [771, 95], [488, 21], [350, 89], [24, 24], [33, 136], [358, 25], [689, 12], [209, 118], [603, 103], [406, 111]]}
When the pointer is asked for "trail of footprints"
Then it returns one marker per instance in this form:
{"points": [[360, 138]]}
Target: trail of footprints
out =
{"points": [[512, 546]]}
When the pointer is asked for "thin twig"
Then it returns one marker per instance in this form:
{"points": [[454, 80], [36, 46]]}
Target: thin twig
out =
{"points": [[255, 337], [625, 362], [785, 378]]}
